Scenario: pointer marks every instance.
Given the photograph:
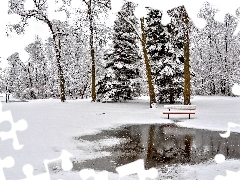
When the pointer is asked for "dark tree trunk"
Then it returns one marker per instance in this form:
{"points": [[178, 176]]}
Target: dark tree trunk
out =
{"points": [[92, 50], [30, 79], [57, 48], [171, 91], [148, 67], [187, 87], [60, 71]]}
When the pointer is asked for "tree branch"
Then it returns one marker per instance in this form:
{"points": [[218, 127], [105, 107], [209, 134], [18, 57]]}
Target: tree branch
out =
{"points": [[36, 4], [106, 3], [131, 24], [85, 2], [43, 2]]}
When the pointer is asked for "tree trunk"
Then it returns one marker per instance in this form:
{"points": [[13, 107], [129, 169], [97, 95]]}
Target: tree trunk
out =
{"points": [[92, 51], [226, 71], [148, 67], [57, 47], [187, 90], [171, 91]]}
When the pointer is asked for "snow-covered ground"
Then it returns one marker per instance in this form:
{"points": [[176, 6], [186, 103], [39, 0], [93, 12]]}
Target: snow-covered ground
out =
{"points": [[52, 126]]}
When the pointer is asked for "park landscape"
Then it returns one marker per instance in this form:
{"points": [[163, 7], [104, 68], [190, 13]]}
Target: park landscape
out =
{"points": [[97, 93]]}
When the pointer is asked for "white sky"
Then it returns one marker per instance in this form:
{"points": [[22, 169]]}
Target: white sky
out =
{"points": [[17, 43]]}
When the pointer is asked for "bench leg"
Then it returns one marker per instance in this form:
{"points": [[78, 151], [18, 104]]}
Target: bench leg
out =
{"points": [[168, 116], [189, 116]]}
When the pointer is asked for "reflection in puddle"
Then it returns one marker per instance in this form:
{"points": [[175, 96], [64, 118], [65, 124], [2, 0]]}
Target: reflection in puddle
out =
{"points": [[160, 145]]}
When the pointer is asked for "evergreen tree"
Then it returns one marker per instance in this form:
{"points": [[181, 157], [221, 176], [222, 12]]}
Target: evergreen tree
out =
{"points": [[165, 56], [181, 23], [121, 80]]}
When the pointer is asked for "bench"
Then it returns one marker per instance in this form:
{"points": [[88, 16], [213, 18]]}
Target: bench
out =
{"points": [[181, 109]]}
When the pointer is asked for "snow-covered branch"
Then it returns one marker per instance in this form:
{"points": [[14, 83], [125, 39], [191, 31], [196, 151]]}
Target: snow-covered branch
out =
{"points": [[104, 3], [131, 24]]}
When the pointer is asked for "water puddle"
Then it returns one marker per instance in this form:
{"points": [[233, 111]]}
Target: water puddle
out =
{"points": [[158, 145]]}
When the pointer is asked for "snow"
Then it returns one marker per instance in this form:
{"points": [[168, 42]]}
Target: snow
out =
{"points": [[183, 107], [52, 126]]}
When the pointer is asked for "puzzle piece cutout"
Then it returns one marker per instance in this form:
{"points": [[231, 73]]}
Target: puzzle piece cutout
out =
{"points": [[236, 91], [137, 167], [230, 125], [236, 87], [230, 175], [7, 162], [20, 125], [66, 166], [219, 158]]}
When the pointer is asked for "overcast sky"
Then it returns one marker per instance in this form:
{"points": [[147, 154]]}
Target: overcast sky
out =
{"points": [[17, 43]]}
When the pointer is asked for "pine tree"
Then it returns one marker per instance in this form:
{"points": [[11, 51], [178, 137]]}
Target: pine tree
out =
{"points": [[121, 81], [181, 24], [165, 57]]}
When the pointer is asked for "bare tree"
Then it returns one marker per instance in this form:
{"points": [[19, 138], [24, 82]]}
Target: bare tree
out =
{"points": [[40, 13], [92, 7]]}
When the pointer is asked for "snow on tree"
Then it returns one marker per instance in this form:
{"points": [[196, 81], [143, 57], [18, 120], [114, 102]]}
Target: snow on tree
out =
{"points": [[216, 52], [2, 86], [122, 78], [17, 80], [40, 13], [96, 10], [52, 90], [165, 58], [142, 37], [180, 35], [37, 68], [76, 69]]}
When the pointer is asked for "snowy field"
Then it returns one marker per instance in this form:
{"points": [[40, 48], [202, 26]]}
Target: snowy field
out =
{"points": [[52, 126]]}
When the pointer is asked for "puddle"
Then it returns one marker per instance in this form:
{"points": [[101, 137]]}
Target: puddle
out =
{"points": [[159, 145]]}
